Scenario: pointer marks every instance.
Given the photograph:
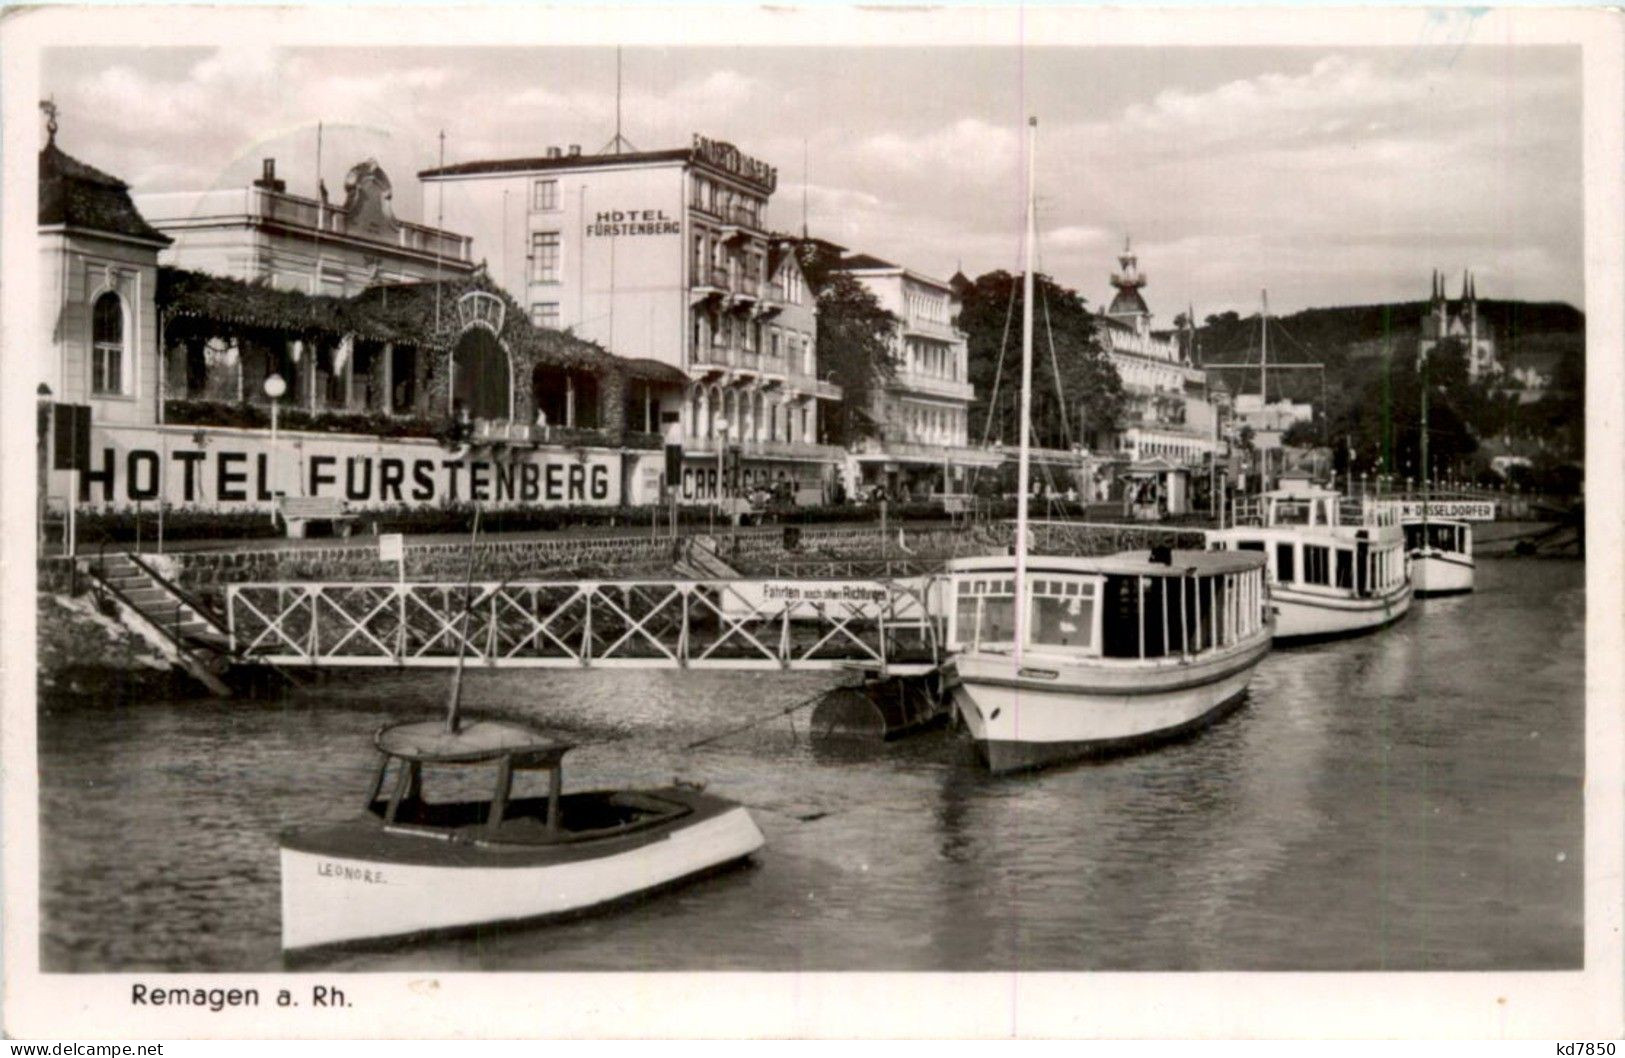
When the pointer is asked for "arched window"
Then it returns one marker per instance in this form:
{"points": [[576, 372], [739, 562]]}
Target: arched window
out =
{"points": [[107, 345]]}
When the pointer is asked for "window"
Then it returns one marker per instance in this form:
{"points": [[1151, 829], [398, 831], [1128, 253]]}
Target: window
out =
{"points": [[1316, 564], [1345, 568], [1063, 613], [545, 314], [107, 345], [544, 257], [1285, 571], [544, 195], [1249, 545]]}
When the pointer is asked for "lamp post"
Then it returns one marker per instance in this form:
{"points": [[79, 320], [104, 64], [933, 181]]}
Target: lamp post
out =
{"points": [[275, 387], [722, 451]]}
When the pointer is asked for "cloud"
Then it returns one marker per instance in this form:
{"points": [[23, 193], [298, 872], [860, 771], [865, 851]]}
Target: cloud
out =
{"points": [[1330, 177]]}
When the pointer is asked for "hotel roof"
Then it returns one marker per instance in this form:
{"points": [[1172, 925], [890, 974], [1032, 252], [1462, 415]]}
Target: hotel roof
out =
{"points": [[81, 196], [575, 161]]}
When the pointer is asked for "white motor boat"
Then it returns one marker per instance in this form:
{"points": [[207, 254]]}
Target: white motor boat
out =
{"points": [[1114, 653], [1336, 566], [424, 857], [1441, 553]]}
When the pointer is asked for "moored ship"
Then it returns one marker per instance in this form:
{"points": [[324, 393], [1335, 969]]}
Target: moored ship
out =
{"points": [[1336, 566], [1114, 652]]}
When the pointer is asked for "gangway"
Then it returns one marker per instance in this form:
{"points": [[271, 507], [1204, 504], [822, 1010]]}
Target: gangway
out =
{"points": [[882, 627]]}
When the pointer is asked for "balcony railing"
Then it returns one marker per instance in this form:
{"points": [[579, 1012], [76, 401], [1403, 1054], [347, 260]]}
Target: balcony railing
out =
{"points": [[933, 384], [933, 329]]}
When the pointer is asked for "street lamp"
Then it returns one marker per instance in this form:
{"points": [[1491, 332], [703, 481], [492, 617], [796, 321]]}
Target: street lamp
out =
{"points": [[275, 387], [722, 449]]}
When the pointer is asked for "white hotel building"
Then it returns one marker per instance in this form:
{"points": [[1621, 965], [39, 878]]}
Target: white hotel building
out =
{"points": [[1169, 417], [664, 255], [924, 444]]}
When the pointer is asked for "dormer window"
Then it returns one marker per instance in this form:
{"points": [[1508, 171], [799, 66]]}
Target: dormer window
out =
{"points": [[107, 357]]}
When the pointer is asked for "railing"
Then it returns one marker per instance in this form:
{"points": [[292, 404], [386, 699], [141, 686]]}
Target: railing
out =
{"points": [[933, 329], [490, 431], [934, 384], [743, 624]]}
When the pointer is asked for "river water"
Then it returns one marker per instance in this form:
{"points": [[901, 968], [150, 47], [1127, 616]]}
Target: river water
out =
{"points": [[1410, 800]]}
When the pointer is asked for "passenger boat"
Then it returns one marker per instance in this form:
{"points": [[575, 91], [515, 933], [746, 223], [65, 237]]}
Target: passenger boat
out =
{"points": [[1441, 554], [1337, 567], [426, 854], [1058, 658], [1115, 652]]}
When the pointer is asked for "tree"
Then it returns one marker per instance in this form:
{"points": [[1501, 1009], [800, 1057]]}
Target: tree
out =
{"points": [[855, 336], [1089, 399]]}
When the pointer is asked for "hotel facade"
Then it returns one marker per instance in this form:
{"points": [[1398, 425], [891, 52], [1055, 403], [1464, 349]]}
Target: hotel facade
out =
{"points": [[924, 409], [665, 256]]}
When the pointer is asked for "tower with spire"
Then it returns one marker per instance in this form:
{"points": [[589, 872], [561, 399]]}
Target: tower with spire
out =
{"points": [[1128, 305], [1463, 325]]}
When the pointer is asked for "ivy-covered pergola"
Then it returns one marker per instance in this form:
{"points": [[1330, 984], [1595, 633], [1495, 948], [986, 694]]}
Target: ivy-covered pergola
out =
{"points": [[427, 350]]}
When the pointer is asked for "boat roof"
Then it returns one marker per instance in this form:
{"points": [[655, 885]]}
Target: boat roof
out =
{"points": [[474, 741], [1124, 563]]}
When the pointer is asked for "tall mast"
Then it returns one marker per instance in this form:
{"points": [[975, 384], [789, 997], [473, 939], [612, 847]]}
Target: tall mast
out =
{"points": [[1264, 349], [1024, 457], [1263, 383]]}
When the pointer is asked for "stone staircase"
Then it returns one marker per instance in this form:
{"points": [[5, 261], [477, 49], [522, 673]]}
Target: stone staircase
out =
{"points": [[702, 561], [186, 633]]}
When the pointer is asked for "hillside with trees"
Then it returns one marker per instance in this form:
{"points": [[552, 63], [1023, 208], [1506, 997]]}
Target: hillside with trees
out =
{"points": [[1372, 387]]}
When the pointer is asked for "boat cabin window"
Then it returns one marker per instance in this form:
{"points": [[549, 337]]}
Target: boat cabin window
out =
{"points": [[1316, 564], [985, 612], [1063, 613], [443, 795], [1285, 569], [1444, 537], [1345, 568], [1413, 535], [1291, 510], [1157, 616], [1249, 545]]}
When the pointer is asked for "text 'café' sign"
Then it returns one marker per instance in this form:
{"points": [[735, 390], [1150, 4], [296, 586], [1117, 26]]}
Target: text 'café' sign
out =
{"points": [[130, 466]]}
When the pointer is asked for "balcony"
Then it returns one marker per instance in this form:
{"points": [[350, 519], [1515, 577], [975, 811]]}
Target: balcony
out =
{"points": [[932, 385], [775, 449], [709, 282], [917, 327], [744, 292], [875, 449], [771, 302], [740, 223]]}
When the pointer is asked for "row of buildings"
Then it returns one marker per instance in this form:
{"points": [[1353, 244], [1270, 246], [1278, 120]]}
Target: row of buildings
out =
{"points": [[567, 307]]}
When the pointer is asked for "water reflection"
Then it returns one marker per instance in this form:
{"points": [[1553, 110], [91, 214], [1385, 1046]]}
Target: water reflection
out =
{"points": [[1409, 799]]}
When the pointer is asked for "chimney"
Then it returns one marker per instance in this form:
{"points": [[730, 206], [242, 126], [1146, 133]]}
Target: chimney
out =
{"points": [[555, 152], [268, 178], [575, 150]]}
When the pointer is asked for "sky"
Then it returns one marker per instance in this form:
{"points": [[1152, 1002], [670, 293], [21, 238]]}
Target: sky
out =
{"points": [[1328, 177]]}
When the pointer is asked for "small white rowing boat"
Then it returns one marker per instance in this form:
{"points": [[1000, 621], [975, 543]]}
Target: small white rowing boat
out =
{"points": [[424, 857]]}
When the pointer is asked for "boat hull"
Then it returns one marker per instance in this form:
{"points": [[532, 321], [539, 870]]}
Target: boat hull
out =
{"points": [[1441, 572], [1024, 722], [1303, 617], [351, 882]]}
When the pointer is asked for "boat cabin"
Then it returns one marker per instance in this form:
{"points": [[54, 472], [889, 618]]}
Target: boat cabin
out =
{"points": [[1309, 506], [1334, 565], [1109, 607], [494, 782], [1447, 536]]}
